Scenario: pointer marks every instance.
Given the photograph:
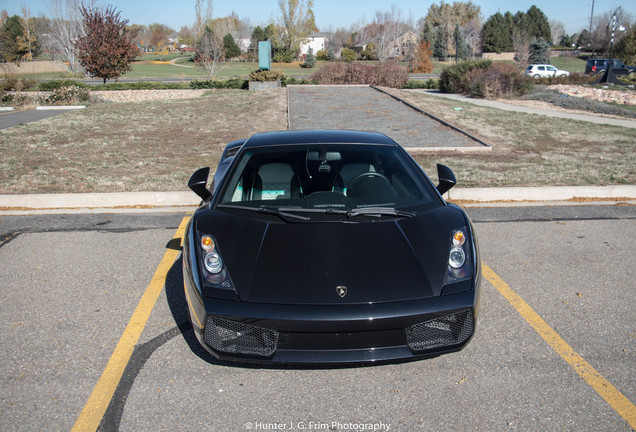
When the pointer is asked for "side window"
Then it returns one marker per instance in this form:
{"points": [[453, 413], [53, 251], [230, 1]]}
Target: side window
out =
{"points": [[541, 68]]}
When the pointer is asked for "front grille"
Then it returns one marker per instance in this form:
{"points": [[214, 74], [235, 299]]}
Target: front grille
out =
{"points": [[441, 332], [238, 338]]}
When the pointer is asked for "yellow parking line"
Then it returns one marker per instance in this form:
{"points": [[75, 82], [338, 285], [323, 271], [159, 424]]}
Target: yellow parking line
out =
{"points": [[100, 398], [607, 391]]}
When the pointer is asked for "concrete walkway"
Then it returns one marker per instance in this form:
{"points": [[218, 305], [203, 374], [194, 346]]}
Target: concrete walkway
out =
{"points": [[529, 110], [127, 202]]}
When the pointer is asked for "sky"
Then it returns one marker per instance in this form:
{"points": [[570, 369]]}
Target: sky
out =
{"points": [[332, 14]]}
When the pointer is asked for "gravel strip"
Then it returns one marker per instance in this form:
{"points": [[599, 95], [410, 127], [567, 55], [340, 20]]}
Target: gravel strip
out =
{"points": [[363, 108], [145, 95]]}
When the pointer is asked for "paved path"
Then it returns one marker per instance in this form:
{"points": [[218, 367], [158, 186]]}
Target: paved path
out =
{"points": [[16, 118], [529, 110], [364, 108]]}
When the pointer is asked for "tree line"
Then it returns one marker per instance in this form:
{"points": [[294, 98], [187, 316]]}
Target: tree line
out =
{"points": [[73, 27]]}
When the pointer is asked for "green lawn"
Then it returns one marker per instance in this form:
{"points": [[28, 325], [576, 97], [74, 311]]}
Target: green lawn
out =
{"points": [[149, 70], [570, 64]]}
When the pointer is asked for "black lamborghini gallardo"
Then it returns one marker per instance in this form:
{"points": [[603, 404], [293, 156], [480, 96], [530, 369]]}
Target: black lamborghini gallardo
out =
{"points": [[328, 247]]}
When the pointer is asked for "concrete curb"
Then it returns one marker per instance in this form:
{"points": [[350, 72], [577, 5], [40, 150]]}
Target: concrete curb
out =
{"points": [[59, 108], [549, 193], [99, 200], [185, 200], [437, 119]]}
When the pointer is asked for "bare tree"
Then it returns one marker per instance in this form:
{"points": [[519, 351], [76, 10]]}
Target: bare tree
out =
{"points": [[557, 29], [209, 51], [66, 28], [521, 44], [28, 38], [446, 16], [387, 26], [297, 22], [202, 17]]}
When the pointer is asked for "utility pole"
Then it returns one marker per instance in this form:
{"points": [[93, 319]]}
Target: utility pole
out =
{"points": [[589, 35]]}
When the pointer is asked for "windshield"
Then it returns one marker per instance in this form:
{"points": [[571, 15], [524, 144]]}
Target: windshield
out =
{"points": [[330, 176]]}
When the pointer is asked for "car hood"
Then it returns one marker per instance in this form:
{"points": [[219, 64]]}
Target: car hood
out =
{"points": [[310, 263]]}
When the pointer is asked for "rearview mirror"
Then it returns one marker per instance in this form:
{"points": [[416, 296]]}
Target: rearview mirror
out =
{"points": [[446, 178], [199, 181]]}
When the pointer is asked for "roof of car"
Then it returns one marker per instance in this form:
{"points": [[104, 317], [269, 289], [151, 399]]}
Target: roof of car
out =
{"points": [[318, 137]]}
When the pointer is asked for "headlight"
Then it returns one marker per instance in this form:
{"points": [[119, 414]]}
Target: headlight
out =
{"points": [[457, 258], [459, 263], [213, 269], [213, 263]]}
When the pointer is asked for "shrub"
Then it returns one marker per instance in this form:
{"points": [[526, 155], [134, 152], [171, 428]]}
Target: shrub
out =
{"points": [[66, 96], [54, 85], [266, 75], [14, 99], [431, 84], [348, 55], [497, 81], [288, 80], [484, 79], [284, 56], [232, 83], [16, 84], [575, 78], [386, 74], [454, 78], [322, 55]]}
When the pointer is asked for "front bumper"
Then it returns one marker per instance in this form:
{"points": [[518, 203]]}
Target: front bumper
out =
{"points": [[332, 334]]}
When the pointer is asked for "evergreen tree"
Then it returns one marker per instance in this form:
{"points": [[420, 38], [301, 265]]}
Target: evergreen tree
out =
{"points": [[539, 52], [259, 34], [440, 47], [538, 24], [427, 34], [10, 33], [496, 34], [310, 59], [460, 43], [230, 47]]}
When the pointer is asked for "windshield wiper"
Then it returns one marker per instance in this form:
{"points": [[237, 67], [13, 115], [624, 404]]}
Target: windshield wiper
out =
{"points": [[287, 217], [364, 211], [378, 212]]}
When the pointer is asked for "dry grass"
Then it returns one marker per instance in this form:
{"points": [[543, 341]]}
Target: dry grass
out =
{"points": [[156, 145], [144, 146], [531, 150]]}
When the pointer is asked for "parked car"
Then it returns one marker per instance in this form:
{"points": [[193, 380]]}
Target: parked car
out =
{"points": [[544, 71], [597, 66], [328, 247]]}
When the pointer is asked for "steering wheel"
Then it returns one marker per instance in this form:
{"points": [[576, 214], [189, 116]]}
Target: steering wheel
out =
{"points": [[375, 177]]}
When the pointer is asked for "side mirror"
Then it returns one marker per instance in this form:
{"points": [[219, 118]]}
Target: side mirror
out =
{"points": [[446, 178], [198, 182]]}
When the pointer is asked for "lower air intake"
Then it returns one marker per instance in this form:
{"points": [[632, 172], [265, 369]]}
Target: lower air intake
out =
{"points": [[238, 338], [441, 332]]}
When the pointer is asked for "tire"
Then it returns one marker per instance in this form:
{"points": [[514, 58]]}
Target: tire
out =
{"points": [[537, 76]]}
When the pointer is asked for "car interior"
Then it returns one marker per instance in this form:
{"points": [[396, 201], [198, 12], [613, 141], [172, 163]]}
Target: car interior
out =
{"points": [[324, 177]]}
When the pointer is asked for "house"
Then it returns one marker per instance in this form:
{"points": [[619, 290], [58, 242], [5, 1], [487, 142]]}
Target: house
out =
{"points": [[404, 45], [315, 41], [243, 39]]}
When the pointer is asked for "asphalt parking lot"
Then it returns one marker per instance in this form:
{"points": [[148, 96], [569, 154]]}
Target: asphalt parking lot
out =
{"points": [[554, 349]]}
